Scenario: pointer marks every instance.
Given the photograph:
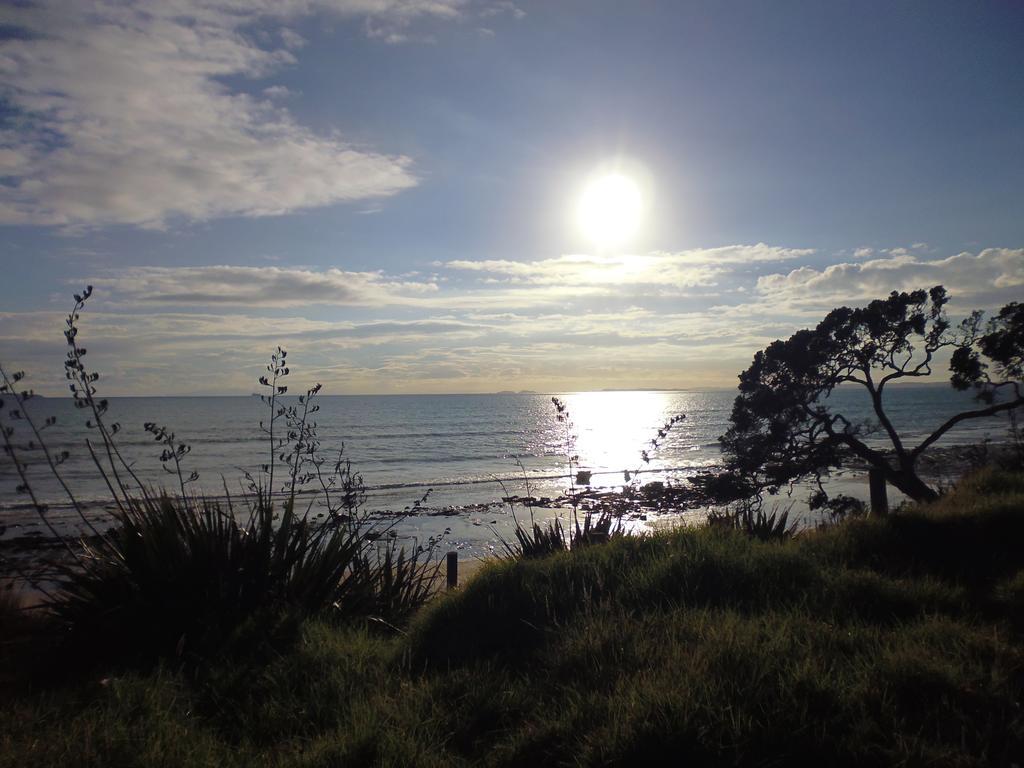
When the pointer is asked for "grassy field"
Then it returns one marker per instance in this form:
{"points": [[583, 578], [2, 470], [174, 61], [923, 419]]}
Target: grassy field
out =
{"points": [[876, 642]]}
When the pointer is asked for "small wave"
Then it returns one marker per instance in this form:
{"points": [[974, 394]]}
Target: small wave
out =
{"points": [[453, 459], [455, 434]]}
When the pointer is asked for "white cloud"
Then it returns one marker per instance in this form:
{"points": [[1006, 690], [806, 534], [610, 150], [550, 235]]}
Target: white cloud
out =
{"points": [[165, 352], [993, 276], [272, 286], [255, 286], [194, 331], [498, 7], [661, 270], [739, 254], [291, 39], [122, 115], [277, 92], [543, 324], [580, 270]]}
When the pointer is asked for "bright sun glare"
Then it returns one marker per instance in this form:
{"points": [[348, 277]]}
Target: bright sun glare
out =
{"points": [[609, 210]]}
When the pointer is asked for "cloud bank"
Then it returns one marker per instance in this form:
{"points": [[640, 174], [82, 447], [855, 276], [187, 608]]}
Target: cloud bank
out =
{"points": [[546, 324], [990, 276], [123, 114], [681, 269], [256, 287]]}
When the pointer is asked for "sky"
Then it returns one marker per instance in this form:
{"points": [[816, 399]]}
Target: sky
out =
{"points": [[389, 188]]}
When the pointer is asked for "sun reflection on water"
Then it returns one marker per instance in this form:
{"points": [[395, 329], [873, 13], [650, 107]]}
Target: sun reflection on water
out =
{"points": [[611, 429]]}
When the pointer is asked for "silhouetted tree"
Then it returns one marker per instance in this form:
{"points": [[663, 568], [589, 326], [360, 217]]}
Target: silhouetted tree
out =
{"points": [[783, 428]]}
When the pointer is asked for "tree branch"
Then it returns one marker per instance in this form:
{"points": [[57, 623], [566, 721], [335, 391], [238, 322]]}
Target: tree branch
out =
{"points": [[954, 420], [876, 403], [869, 455]]}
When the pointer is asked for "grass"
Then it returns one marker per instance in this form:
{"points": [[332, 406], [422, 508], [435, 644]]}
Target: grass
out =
{"points": [[877, 642]]}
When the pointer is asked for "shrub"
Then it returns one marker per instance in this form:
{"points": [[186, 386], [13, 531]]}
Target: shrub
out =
{"points": [[537, 540], [751, 518], [185, 576]]}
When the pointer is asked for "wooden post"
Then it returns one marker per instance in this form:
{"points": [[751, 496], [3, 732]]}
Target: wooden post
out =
{"points": [[452, 570], [879, 502]]}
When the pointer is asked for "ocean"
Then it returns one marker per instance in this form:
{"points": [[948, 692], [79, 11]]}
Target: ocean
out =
{"points": [[470, 450]]}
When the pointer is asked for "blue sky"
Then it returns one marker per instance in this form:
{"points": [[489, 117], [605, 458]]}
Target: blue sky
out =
{"points": [[386, 187]]}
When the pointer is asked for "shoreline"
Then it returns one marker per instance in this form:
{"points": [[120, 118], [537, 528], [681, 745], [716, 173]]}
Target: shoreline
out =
{"points": [[940, 465]]}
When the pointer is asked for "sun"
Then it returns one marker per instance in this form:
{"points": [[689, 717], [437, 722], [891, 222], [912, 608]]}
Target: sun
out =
{"points": [[609, 210]]}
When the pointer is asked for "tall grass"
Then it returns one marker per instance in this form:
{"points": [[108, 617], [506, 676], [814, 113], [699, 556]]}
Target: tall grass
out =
{"points": [[751, 518], [179, 575], [180, 580]]}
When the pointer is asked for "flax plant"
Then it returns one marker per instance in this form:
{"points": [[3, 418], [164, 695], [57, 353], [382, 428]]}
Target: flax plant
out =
{"points": [[187, 576]]}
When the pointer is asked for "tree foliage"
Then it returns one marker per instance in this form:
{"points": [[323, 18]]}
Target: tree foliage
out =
{"points": [[783, 427]]}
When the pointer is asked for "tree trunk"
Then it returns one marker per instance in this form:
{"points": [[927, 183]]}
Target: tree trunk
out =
{"points": [[907, 481], [877, 483]]}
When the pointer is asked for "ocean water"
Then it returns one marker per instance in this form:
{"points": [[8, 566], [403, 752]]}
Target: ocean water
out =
{"points": [[471, 450]]}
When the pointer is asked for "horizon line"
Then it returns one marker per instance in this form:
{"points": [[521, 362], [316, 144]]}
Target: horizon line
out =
{"points": [[606, 390]]}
